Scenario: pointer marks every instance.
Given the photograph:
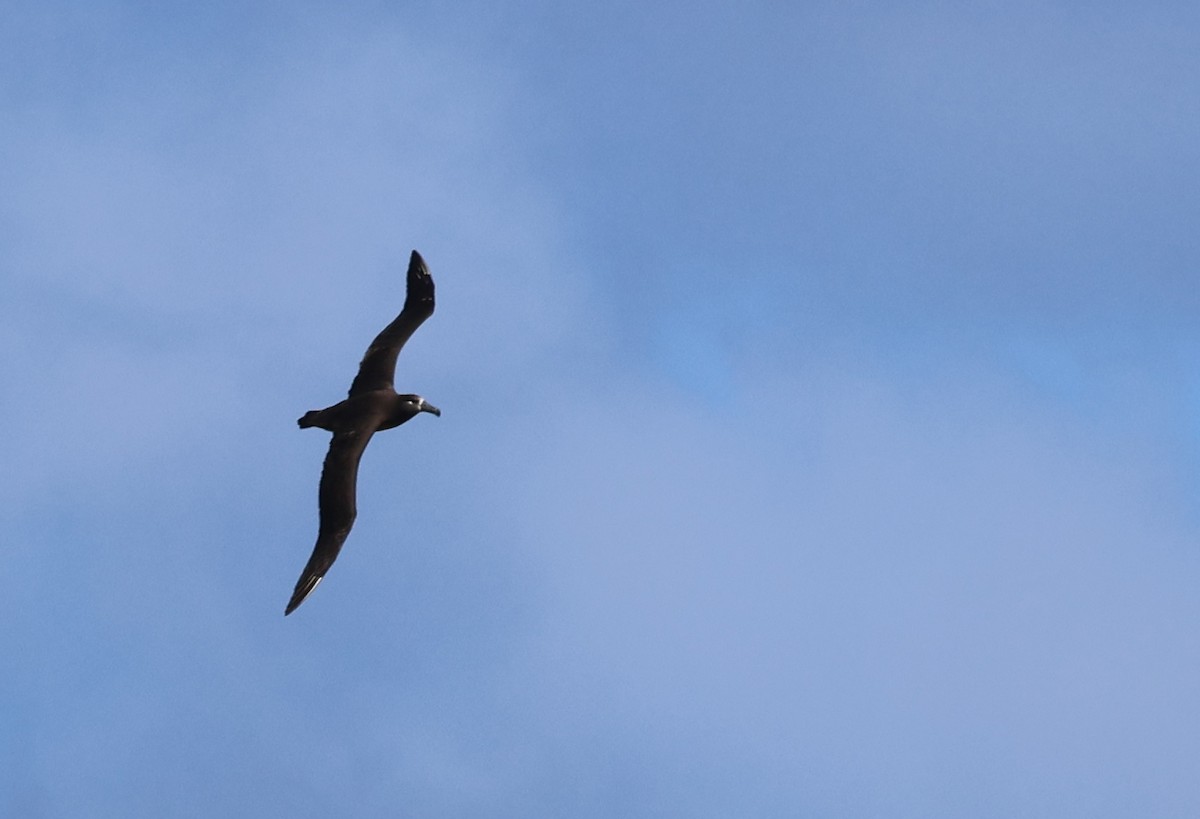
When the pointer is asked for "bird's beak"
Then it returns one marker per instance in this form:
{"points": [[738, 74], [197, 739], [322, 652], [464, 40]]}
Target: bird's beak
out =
{"points": [[427, 407]]}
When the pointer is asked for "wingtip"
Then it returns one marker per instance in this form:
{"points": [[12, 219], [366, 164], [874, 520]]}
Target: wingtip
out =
{"points": [[420, 288], [303, 590]]}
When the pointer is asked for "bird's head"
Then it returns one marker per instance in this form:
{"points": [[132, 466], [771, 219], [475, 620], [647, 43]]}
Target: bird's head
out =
{"points": [[419, 404]]}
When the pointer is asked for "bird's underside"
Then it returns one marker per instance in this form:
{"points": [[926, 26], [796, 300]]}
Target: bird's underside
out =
{"points": [[371, 406]]}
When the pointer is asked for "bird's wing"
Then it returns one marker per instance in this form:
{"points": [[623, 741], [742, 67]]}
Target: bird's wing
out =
{"points": [[338, 509], [378, 366]]}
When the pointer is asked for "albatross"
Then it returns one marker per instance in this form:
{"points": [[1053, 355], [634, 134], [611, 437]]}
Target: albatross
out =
{"points": [[373, 405]]}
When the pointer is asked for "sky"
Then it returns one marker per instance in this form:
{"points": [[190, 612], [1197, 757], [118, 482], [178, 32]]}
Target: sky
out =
{"points": [[821, 409]]}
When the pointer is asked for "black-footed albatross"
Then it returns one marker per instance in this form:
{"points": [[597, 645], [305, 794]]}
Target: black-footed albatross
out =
{"points": [[373, 405]]}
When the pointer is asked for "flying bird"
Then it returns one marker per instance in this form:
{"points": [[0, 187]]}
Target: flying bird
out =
{"points": [[372, 405]]}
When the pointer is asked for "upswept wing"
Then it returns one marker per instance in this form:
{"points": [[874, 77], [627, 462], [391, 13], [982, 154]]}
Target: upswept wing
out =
{"points": [[378, 367]]}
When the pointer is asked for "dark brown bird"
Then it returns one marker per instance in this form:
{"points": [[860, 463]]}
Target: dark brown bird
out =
{"points": [[373, 405]]}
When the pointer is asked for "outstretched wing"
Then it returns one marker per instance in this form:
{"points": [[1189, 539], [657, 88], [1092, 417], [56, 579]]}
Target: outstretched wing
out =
{"points": [[339, 479], [378, 366]]}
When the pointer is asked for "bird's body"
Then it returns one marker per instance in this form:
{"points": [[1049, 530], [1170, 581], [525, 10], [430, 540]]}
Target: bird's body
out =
{"points": [[381, 409], [373, 405]]}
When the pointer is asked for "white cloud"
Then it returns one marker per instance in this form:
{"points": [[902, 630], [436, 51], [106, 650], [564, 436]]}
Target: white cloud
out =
{"points": [[869, 580], [848, 582]]}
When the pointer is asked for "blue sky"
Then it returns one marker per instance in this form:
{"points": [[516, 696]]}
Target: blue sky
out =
{"points": [[820, 389]]}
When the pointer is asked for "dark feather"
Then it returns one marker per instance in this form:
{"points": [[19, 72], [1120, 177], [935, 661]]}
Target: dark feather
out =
{"points": [[338, 507], [373, 405], [378, 368]]}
